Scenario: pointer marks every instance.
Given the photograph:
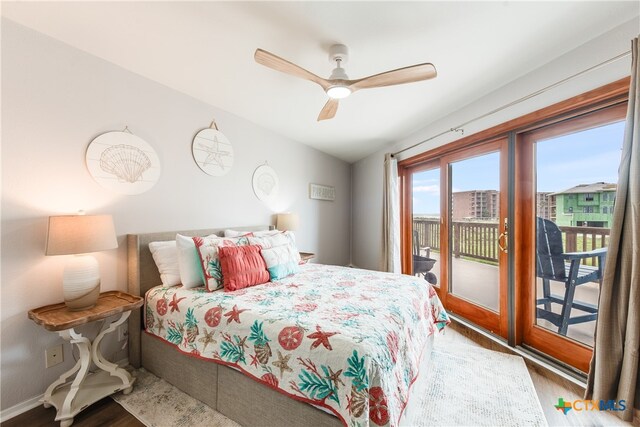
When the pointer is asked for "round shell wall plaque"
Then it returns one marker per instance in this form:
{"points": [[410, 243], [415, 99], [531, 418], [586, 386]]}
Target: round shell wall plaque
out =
{"points": [[123, 162], [265, 183], [213, 152]]}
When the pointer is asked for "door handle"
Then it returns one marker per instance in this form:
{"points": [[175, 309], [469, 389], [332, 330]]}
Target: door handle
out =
{"points": [[504, 235]]}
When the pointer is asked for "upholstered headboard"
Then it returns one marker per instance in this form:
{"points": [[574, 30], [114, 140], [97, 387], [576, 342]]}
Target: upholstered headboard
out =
{"points": [[143, 273]]}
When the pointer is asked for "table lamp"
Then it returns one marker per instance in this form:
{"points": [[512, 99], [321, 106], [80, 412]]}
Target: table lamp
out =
{"points": [[79, 235], [287, 221]]}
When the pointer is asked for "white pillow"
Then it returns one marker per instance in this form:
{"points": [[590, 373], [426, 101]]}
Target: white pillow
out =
{"points": [[236, 233], [273, 240], [282, 261], [189, 262], [165, 254]]}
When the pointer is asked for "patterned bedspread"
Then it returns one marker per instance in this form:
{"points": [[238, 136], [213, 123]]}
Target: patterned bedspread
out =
{"points": [[345, 339]]}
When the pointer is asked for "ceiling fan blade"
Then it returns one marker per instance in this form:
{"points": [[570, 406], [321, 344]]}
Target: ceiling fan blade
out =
{"points": [[274, 62], [413, 73], [329, 110]]}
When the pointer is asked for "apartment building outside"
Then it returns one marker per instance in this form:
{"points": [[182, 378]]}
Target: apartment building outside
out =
{"points": [[545, 205], [587, 205], [475, 204]]}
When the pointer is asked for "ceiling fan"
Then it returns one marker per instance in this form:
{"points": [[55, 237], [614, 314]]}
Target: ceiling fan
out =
{"points": [[338, 85]]}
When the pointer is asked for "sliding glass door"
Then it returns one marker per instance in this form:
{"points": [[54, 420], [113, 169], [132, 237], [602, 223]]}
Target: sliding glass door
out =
{"points": [[512, 223], [567, 213], [476, 235], [459, 231]]}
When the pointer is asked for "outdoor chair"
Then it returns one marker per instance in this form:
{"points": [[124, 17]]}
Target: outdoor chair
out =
{"points": [[422, 265], [552, 263]]}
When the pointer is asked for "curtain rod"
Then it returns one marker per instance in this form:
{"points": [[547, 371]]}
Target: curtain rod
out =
{"points": [[460, 127]]}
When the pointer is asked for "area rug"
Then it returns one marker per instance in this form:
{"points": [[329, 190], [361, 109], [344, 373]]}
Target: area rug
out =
{"points": [[466, 385], [462, 385], [156, 403]]}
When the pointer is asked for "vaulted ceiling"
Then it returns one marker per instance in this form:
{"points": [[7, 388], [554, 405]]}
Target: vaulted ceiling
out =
{"points": [[205, 49]]}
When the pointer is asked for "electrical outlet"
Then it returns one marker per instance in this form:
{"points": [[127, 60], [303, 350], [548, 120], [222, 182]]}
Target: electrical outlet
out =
{"points": [[123, 332], [53, 356]]}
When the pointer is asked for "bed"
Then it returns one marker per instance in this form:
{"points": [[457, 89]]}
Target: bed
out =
{"points": [[327, 346]]}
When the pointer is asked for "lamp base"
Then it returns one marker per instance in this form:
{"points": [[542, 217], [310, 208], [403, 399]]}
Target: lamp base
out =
{"points": [[81, 282]]}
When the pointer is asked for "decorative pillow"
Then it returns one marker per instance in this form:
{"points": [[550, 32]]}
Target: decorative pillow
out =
{"points": [[236, 233], [271, 241], [282, 261], [209, 261], [189, 262], [165, 254], [242, 266]]}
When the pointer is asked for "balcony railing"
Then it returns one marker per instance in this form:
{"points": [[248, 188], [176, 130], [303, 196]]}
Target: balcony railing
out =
{"points": [[479, 240]]}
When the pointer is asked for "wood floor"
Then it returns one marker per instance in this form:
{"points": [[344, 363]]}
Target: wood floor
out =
{"points": [[549, 387], [105, 412]]}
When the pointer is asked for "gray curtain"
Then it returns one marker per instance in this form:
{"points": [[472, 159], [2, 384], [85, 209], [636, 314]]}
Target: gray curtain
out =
{"points": [[391, 217], [614, 367]]}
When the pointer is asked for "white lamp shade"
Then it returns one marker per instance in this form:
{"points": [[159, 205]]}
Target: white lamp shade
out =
{"points": [[287, 221], [80, 234]]}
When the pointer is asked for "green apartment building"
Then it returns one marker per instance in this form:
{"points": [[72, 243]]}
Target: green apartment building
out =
{"points": [[586, 205]]}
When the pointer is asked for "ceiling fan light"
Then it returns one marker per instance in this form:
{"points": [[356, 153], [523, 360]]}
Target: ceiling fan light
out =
{"points": [[338, 92]]}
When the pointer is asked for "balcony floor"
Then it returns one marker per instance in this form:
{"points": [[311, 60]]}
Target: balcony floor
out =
{"points": [[478, 283]]}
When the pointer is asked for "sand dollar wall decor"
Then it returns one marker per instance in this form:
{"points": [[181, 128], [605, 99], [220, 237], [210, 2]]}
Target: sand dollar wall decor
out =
{"points": [[265, 183], [212, 151], [123, 162]]}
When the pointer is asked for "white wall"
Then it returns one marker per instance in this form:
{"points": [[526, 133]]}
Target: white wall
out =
{"points": [[367, 173], [55, 100]]}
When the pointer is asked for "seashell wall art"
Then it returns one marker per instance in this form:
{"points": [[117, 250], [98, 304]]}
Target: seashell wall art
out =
{"points": [[123, 162], [265, 183]]}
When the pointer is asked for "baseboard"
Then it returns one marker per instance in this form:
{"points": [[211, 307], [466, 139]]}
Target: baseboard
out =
{"points": [[22, 407]]}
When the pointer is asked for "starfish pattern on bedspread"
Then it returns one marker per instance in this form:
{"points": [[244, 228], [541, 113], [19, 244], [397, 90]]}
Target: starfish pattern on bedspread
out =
{"points": [[321, 337], [234, 315], [174, 303]]}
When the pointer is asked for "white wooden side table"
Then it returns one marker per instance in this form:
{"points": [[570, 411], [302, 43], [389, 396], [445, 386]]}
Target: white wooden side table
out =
{"points": [[71, 397]]}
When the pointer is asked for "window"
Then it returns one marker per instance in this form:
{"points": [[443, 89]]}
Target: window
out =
{"points": [[570, 209], [588, 197], [605, 210], [587, 209], [605, 197]]}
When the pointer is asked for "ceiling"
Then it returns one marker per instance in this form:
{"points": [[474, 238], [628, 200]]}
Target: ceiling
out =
{"points": [[205, 49]]}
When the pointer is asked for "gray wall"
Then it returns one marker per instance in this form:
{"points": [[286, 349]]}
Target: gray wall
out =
{"points": [[55, 100], [367, 173]]}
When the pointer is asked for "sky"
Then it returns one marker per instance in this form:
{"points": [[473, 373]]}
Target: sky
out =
{"points": [[562, 162]]}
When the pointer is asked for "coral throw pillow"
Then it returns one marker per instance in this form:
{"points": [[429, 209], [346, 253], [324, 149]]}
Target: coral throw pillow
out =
{"points": [[209, 261], [242, 266]]}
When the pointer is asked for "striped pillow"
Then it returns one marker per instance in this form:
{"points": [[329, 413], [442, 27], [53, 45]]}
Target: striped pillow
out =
{"points": [[242, 266]]}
